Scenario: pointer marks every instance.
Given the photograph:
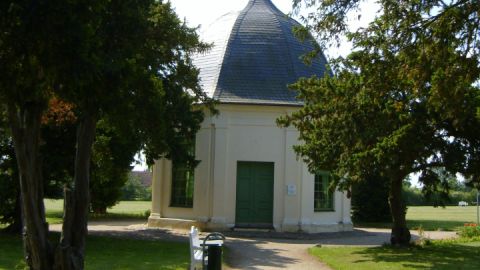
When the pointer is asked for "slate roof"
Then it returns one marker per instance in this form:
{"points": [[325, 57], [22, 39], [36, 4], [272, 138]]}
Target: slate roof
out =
{"points": [[255, 57]]}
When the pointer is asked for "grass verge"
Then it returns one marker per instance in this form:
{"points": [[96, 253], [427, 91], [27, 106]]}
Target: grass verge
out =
{"points": [[122, 210], [444, 254], [109, 253]]}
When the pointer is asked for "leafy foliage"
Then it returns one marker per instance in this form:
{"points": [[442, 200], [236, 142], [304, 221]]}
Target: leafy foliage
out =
{"points": [[125, 62], [112, 156], [9, 208], [470, 231], [58, 146], [370, 200], [404, 101], [414, 196], [57, 151], [134, 190]]}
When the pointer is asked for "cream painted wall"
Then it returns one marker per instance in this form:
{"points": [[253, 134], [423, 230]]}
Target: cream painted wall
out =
{"points": [[248, 133]]}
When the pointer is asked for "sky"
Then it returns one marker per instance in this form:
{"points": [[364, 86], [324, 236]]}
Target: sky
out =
{"points": [[203, 12]]}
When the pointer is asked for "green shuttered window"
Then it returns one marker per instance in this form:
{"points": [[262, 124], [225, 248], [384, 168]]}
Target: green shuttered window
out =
{"points": [[323, 197]]}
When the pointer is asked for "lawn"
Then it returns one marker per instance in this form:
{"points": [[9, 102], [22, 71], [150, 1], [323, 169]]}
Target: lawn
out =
{"points": [[448, 218], [447, 254], [432, 218], [110, 253], [123, 210], [428, 217], [451, 254]]}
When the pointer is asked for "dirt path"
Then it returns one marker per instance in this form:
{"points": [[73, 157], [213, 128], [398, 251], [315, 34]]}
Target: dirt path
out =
{"points": [[263, 254], [261, 250], [248, 252]]}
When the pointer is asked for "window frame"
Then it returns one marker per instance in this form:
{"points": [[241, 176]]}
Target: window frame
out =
{"points": [[325, 183], [184, 197], [184, 171]]}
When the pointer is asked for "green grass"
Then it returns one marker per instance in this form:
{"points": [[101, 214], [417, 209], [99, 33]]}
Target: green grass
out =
{"points": [[456, 254], [123, 210], [110, 253], [10, 250], [430, 218]]}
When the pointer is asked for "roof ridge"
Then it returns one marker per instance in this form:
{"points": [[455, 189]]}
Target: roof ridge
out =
{"points": [[233, 34], [223, 52], [282, 28]]}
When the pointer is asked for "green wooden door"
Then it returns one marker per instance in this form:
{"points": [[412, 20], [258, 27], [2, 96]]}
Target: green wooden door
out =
{"points": [[254, 206]]}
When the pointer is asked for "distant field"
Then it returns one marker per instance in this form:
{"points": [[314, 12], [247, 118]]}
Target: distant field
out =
{"points": [[427, 217], [431, 218], [441, 218], [124, 207], [123, 210]]}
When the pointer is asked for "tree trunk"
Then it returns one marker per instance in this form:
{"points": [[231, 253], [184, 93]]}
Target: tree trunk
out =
{"points": [[70, 253], [400, 233], [25, 124]]}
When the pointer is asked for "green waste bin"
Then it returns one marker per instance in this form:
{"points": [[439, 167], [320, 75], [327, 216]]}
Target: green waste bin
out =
{"points": [[212, 248]]}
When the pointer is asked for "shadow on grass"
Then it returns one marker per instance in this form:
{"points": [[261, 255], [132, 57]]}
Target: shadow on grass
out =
{"points": [[435, 256], [107, 252], [435, 225], [243, 253], [117, 216], [11, 252], [56, 217]]}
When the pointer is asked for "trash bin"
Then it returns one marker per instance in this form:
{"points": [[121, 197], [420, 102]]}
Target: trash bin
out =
{"points": [[212, 247]]}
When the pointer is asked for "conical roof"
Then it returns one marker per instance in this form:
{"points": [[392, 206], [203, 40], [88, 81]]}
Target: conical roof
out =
{"points": [[255, 57]]}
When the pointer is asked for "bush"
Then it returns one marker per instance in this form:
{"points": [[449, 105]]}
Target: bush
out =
{"points": [[133, 190], [470, 230], [370, 200], [413, 196]]}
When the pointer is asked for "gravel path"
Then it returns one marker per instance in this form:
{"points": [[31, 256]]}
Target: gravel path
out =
{"points": [[266, 254], [261, 250]]}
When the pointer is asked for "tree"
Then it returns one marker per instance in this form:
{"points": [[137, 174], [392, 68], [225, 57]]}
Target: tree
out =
{"points": [[134, 190], [113, 153], [9, 192], [125, 60], [403, 101], [57, 152], [58, 146]]}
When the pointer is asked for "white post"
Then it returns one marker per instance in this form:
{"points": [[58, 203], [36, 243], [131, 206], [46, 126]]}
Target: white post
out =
{"points": [[157, 196]]}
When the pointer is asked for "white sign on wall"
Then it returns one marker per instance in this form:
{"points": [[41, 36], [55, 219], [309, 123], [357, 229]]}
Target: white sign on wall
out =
{"points": [[291, 189]]}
